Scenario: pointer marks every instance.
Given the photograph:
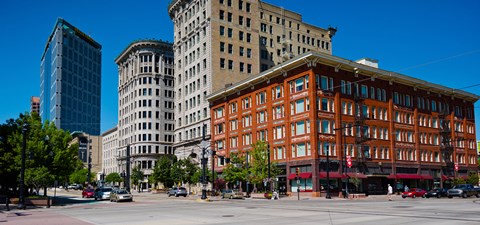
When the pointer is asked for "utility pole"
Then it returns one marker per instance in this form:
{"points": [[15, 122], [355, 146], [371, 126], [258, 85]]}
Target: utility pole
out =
{"points": [[204, 163], [127, 166]]}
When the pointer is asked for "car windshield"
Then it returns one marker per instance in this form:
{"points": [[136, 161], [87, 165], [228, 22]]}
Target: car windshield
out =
{"points": [[106, 189], [123, 192], [183, 189]]}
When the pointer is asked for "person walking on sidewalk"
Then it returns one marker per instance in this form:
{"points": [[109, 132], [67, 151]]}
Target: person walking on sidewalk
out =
{"points": [[390, 192]]}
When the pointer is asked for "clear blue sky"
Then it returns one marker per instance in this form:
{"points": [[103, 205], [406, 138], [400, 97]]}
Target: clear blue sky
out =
{"points": [[434, 40]]}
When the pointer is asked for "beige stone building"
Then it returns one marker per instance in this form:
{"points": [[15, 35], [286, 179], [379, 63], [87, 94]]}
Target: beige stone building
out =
{"points": [[89, 145], [110, 156], [220, 42]]}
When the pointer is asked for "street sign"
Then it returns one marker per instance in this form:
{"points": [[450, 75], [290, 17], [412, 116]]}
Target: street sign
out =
{"points": [[456, 166], [298, 181], [204, 144], [349, 161]]}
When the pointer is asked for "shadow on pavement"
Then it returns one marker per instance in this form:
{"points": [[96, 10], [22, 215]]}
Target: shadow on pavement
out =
{"points": [[67, 200]]}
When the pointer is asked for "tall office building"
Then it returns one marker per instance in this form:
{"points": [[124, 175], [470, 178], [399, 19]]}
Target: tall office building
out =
{"points": [[70, 80], [145, 107], [219, 42]]}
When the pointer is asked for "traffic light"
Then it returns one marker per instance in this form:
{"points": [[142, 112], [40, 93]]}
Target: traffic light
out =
{"points": [[297, 171]]}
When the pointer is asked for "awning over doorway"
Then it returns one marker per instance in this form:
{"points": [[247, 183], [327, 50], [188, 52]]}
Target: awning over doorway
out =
{"points": [[404, 176], [306, 175], [358, 175], [292, 176], [427, 177], [331, 175]]}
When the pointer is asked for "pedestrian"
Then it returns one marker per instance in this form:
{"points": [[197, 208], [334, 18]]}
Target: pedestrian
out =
{"points": [[275, 195], [390, 192], [406, 188]]}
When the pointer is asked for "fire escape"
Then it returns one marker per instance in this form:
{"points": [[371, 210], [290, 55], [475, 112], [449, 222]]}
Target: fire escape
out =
{"points": [[446, 147], [361, 136]]}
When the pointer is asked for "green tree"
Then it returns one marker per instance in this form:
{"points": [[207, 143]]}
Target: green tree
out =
{"points": [[458, 181], [79, 176], [235, 171], [113, 178], [137, 176], [190, 169], [258, 165], [53, 155], [162, 171], [9, 170], [472, 178]]}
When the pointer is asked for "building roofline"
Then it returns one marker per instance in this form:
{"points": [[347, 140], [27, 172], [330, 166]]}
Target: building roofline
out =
{"points": [[142, 43], [348, 65], [111, 130], [77, 31]]}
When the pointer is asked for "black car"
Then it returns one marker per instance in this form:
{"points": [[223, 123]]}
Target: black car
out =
{"points": [[437, 192]]}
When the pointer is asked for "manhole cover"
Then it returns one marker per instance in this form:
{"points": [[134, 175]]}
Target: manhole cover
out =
{"points": [[402, 206], [227, 215], [250, 207]]}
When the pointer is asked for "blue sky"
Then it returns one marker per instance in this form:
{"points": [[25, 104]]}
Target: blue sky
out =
{"points": [[434, 40]]}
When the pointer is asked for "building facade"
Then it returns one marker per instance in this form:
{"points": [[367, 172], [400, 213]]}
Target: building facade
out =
{"points": [[110, 155], [35, 105], [146, 104], [220, 42], [318, 108], [89, 150], [70, 80]]}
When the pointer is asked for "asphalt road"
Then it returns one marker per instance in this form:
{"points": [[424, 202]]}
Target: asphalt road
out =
{"points": [[150, 208]]}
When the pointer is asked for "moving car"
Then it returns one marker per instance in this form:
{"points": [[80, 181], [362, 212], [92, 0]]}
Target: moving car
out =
{"points": [[413, 193], [118, 195], [462, 190], [177, 191], [436, 193], [88, 193], [231, 194], [74, 186], [102, 193]]}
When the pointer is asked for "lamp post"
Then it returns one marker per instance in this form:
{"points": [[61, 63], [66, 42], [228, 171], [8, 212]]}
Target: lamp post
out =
{"points": [[204, 163], [213, 171], [268, 157], [327, 196], [21, 199]]}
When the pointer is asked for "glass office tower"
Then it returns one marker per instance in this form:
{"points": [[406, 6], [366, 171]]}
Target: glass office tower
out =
{"points": [[70, 80]]}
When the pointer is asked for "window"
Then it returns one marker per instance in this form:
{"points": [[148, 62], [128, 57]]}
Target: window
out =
{"points": [[246, 103], [230, 33], [219, 113], [277, 92], [261, 97], [222, 31], [222, 46], [299, 84], [230, 64], [222, 63], [278, 112]]}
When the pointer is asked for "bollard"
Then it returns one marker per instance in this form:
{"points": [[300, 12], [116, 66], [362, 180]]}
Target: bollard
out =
{"points": [[7, 201]]}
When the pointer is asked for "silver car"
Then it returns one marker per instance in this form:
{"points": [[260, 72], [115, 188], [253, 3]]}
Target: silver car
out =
{"points": [[118, 195], [102, 193], [177, 191]]}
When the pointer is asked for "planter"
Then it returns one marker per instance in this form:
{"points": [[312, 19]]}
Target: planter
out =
{"points": [[33, 201], [267, 195]]}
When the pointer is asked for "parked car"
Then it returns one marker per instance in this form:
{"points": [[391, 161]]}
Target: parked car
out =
{"points": [[88, 193], [102, 193], [462, 190], [437, 193], [75, 186], [118, 195], [231, 194], [413, 193], [177, 191]]}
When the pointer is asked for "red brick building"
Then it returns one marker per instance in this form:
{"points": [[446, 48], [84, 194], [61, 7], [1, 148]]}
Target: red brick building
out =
{"points": [[395, 128]]}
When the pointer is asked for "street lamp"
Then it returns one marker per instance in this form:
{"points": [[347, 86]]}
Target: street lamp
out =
{"points": [[204, 163], [21, 199], [327, 196], [268, 152]]}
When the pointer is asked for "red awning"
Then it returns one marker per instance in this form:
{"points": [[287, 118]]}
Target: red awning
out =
{"points": [[292, 176], [427, 177], [404, 176], [331, 175], [306, 175], [446, 178], [358, 175]]}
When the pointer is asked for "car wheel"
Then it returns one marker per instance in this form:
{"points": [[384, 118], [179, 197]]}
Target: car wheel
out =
{"points": [[450, 196], [438, 196], [464, 195], [404, 196], [83, 196], [184, 196], [231, 197], [169, 195], [95, 198], [477, 195], [223, 197], [176, 195], [414, 196]]}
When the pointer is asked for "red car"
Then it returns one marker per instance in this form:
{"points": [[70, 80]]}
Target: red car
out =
{"points": [[414, 192], [87, 193]]}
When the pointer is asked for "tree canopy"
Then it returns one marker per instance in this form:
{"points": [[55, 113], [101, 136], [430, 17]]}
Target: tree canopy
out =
{"points": [[49, 156]]}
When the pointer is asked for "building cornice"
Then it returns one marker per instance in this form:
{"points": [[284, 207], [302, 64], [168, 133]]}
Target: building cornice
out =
{"points": [[139, 44], [313, 58]]}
